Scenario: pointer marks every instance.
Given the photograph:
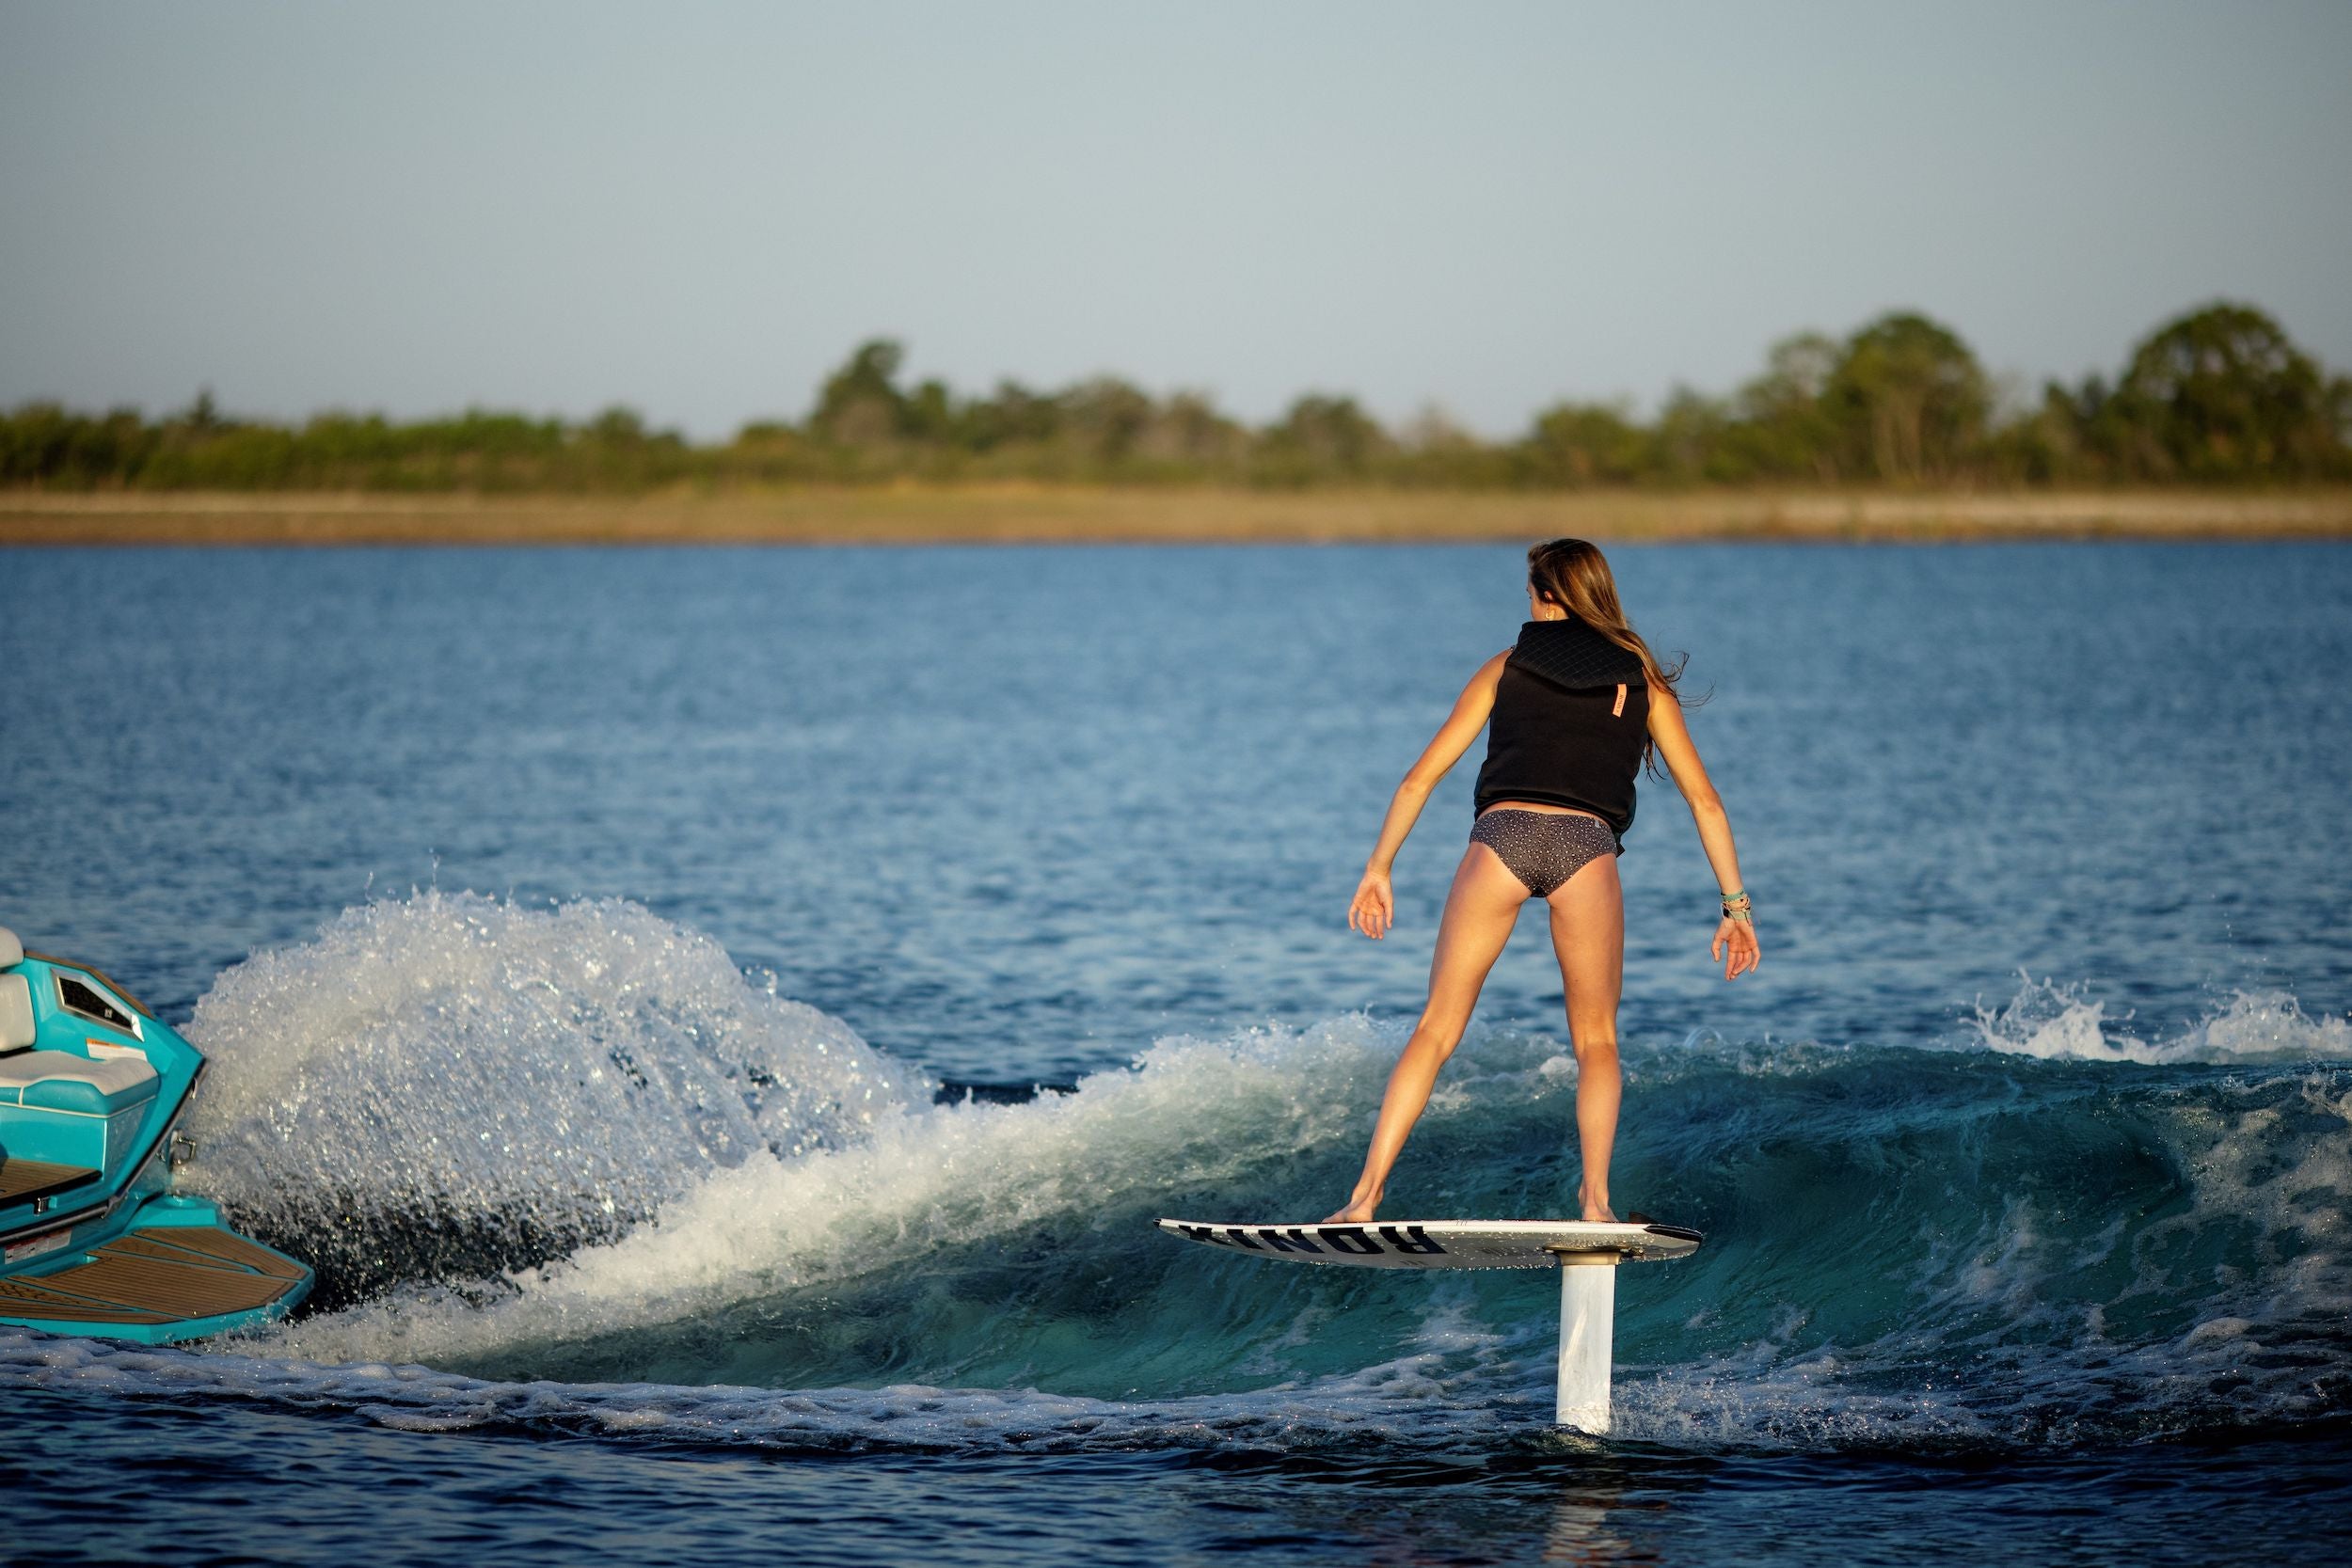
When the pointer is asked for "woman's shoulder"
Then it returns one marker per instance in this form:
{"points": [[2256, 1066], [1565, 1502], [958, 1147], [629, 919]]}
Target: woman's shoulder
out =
{"points": [[1486, 677]]}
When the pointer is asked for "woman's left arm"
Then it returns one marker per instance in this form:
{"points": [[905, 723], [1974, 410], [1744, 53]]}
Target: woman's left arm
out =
{"points": [[1735, 937]]}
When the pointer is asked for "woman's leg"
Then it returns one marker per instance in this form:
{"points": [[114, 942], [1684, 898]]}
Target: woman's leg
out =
{"points": [[1588, 937], [1480, 910]]}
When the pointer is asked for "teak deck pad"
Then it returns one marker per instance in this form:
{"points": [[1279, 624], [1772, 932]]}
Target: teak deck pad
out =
{"points": [[23, 1180], [155, 1275]]}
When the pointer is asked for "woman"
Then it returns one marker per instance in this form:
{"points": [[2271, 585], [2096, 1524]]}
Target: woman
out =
{"points": [[1577, 705]]}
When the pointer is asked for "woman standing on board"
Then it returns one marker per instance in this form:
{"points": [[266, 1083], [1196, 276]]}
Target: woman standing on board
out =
{"points": [[1577, 705]]}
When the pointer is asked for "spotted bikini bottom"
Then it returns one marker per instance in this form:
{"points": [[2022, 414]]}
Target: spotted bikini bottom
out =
{"points": [[1543, 848]]}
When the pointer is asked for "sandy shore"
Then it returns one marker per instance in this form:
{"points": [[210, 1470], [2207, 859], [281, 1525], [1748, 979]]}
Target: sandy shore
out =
{"points": [[918, 515]]}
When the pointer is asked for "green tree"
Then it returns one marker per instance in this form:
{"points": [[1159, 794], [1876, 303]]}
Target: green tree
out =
{"points": [[929, 414], [1106, 416], [1576, 444], [2056, 440], [1187, 432], [1785, 427], [1911, 398], [616, 426], [1693, 440], [860, 403], [1013, 416], [2222, 393], [1322, 437]]}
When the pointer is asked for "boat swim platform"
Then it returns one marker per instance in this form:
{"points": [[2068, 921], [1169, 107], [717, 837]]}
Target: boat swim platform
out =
{"points": [[163, 1282], [30, 1180]]}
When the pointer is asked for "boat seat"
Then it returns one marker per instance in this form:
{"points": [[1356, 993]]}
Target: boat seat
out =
{"points": [[60, 1081], [17, 1029], [11, 950]]}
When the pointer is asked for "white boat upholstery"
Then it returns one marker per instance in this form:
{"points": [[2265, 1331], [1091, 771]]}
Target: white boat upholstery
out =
{"points": [[11, 950], [17, 1029], [60, 1081]]}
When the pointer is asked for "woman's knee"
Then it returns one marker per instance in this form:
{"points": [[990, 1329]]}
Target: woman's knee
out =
{"points": [[1437, 1034], [1594, 1042]]}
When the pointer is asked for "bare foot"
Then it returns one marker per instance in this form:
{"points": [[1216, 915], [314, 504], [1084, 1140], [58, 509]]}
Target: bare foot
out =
{"points": [[1359, 1211], [1596, 1210]]}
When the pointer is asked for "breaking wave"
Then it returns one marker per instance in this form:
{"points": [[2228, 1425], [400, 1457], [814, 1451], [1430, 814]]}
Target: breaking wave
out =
{"points": [[686, 1207], [2064, 1023], [450, 1084]]}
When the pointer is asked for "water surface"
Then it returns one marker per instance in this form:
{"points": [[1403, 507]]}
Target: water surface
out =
{"points": [[583, 940]]}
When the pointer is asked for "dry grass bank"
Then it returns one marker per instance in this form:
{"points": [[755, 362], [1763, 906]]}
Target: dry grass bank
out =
{"points": [[918, 515]]}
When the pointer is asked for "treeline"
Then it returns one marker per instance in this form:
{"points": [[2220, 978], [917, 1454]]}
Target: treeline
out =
{"points": [[2218, 396]]}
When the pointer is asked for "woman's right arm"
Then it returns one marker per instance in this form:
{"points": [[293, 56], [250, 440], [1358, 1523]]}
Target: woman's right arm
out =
{"points": [[1374, 909]]}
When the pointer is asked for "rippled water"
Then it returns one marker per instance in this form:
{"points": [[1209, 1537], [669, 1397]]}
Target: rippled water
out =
{"points": [[593, 949]]}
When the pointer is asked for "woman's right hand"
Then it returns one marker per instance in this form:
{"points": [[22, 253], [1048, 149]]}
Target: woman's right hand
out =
{"points": [[1374, 908], [1735, 947]]}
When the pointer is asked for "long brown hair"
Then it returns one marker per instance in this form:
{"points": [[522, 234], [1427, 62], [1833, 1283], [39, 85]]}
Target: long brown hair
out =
{"points": [[1572, 574]]}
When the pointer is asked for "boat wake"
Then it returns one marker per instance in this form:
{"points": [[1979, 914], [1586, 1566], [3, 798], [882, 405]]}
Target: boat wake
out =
{"points": [[568, 1169], [449, 1086]]}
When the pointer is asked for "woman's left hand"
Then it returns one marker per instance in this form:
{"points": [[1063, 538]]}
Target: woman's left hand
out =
{"points": [[1735, 945]]}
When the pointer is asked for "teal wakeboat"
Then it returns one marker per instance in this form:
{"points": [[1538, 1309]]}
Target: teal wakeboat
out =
{"points": [[92, 1238]]}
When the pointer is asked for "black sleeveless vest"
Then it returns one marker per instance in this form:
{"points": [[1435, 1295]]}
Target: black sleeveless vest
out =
{"points": [[1571, 719]]}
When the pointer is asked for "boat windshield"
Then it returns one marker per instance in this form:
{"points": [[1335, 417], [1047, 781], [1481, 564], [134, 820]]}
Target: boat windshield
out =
{"points": [[84, 997]]}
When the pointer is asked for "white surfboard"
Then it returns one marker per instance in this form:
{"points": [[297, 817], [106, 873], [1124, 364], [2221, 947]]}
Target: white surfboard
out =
{"points": [[1444, 1243]]}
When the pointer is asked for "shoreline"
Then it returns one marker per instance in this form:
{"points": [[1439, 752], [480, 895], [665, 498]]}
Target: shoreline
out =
{"points": [[1039, 514]]}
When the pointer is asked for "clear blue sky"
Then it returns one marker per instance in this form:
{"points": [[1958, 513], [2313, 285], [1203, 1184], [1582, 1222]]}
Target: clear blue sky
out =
{"points": [[698, 208]]}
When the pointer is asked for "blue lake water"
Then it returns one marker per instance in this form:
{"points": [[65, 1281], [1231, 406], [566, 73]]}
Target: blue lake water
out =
{"points": [[593, 948]]}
